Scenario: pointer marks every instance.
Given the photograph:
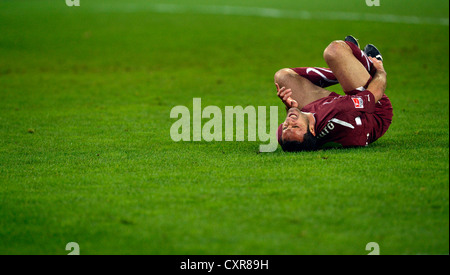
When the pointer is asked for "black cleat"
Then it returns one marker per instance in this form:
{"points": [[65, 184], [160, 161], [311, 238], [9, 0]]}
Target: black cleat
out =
{"points": [[372, 51], [352, 39]]}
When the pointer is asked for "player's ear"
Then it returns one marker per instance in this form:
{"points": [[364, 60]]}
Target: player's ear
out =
{"points": [[311, 123], [312, 128]]}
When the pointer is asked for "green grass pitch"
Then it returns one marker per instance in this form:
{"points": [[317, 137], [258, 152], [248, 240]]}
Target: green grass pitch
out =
{"points": [[86, 155]]}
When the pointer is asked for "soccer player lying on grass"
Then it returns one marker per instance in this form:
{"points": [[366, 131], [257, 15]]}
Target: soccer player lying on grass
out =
{"points": [[317, 117]]}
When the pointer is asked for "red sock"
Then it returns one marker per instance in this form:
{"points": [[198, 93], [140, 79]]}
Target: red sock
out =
{"points": [[321, 77]]}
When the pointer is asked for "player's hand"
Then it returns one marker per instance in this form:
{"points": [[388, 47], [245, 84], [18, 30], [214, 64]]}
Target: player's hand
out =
{"points": [[378, 64], [285, 96]]}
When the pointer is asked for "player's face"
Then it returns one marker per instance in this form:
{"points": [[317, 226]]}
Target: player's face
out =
{"points": [[295, 126]]}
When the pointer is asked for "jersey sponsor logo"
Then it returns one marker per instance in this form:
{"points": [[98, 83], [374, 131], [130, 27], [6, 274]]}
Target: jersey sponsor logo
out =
{"points": [[331, 125], [358, 102]]}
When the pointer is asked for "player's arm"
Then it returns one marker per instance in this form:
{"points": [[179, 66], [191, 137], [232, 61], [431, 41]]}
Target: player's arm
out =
{"points": [[378, 84]]}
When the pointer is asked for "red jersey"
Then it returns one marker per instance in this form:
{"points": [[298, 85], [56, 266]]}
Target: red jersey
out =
{"points": [[354, 119]]}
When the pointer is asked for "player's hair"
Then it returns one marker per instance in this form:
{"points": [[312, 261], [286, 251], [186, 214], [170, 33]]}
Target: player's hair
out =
{"points": [[309, 143]]}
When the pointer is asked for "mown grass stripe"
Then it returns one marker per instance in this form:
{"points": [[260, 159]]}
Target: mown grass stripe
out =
{"points": [[267, 12]]}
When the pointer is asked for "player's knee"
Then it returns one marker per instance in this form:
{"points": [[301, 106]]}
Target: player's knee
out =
{"points": [[334, 50], [282, 75]]}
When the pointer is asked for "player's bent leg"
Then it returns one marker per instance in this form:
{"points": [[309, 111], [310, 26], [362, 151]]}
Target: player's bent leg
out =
{"points": [[346, 67], [303, 90]]}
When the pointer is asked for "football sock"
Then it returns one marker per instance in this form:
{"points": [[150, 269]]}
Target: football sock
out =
{"points": [[321, 77]]}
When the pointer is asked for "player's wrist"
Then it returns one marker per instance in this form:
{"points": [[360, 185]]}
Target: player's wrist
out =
{"points": [[382, 72]]}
